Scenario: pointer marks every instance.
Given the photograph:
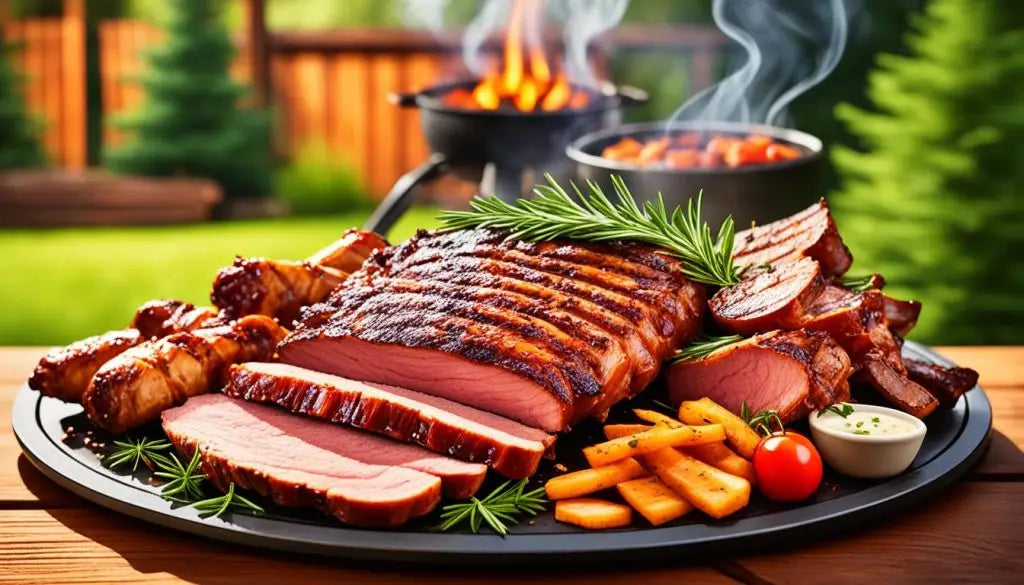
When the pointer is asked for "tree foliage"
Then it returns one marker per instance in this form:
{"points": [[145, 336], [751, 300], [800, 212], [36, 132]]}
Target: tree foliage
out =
{"points": [[193, 122], [933, 200], [19, 132]]}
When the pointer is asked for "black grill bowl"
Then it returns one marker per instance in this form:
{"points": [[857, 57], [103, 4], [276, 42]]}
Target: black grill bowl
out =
{"points": [[760, 193]]}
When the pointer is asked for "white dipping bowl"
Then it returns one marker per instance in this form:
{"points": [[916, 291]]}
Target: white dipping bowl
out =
{"points": [[868, 456]]}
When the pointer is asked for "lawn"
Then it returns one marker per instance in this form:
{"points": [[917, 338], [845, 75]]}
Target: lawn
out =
{"points": [[61, 285]]}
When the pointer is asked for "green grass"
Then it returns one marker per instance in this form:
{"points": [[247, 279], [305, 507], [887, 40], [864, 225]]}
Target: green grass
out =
{"points": [[60, 285]]}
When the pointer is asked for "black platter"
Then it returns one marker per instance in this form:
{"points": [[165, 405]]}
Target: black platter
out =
{"points": [[955, 440]]}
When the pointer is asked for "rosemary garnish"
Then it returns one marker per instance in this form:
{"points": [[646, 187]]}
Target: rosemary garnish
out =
{"points": [[844, 410], [763, 421], [664, 405], [230, 500], [702, 347], [144, 451], [497, 509], [860, 283], [184, 482], [553, 213]]}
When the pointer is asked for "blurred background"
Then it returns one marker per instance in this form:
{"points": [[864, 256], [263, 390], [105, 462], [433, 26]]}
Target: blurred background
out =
{"points": [[145, 143]]}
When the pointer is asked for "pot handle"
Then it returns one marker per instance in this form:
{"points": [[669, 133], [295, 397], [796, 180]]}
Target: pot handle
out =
{"points": [[403, 100], [631, 96], [399, 199]]}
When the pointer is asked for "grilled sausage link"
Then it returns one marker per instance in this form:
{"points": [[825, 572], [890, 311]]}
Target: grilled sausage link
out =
{"points": [[348, 253], [278, 288], [65, 372], [136, 386]]}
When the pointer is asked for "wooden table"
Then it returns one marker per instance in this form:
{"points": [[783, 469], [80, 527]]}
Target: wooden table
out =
{"points": [[974, 533]]}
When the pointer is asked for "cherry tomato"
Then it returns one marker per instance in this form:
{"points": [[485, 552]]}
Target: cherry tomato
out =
{"points": [[788, 467]]}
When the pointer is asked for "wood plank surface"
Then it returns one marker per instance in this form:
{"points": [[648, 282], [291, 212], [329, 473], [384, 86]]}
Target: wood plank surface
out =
{"points": [[971, 534]]}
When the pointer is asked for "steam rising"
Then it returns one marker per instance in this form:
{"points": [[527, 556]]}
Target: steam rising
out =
{"points": [[777, 41]]}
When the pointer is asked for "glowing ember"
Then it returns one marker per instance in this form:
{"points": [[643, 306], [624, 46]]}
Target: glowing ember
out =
{"points": [[525, 80]]}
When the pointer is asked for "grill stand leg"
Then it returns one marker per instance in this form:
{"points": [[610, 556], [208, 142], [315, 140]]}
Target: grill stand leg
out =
{"points": [[505, 182], [400, 197]]}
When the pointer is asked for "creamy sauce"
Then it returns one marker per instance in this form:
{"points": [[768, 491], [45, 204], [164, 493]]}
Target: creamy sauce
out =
{"points": [[868, 424]]}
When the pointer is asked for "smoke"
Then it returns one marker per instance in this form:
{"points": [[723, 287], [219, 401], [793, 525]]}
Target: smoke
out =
{"points": [[581, 21], [787, 52]]}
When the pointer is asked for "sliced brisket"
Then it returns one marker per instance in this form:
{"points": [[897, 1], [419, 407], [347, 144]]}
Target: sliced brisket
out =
{"points": [[440, 425], [792, 372], [895, 386], [768, 297], [417, 316], [360, 478], [810, 233]]}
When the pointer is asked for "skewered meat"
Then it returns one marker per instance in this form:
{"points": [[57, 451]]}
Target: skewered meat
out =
{"points": [[298, 461], [278, 288], [440, 425], [135, 386], [348, 253], [411, 319], [810, 233], [792, 372], [65, 372], [164, 317], [946, 384]]}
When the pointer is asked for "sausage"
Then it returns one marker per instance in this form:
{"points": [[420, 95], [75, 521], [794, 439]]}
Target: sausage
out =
{"points": [[348, 253], [136, 386]]}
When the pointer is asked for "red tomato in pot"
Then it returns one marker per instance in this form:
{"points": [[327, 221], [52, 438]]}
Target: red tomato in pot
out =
{"points": [[788, 467]]}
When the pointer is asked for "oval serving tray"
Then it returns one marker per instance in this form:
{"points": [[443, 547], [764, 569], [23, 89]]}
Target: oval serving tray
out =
{"points": [[955, 440]]}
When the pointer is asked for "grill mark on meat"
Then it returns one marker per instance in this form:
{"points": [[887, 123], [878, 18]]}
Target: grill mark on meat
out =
{"points": [[303, 462], [809, 233], [632, 309], [768, 298], [640, 342], [384, 312], [440, 425]]}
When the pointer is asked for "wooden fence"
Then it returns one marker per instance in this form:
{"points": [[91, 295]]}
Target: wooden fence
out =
{"points": [[327, 88]]}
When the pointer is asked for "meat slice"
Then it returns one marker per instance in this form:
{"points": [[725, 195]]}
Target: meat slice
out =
{"points": [[360, 478], [946, 384], [411, 318], [791, 372], [857, 321], [901, 315], [443, 426], [136, 386], [768, 298], [810, 233], [895, 386]]}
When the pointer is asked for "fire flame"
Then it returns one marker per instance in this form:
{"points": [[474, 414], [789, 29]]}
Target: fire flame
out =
{"points": [[525, 80]]}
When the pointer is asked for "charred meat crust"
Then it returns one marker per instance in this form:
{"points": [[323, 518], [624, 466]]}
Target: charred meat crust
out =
{"points": [[378, 410], [895, 386], [768, 298], [810, 233], [946, 384], [350, 251], [277, 288], [64, 373]]}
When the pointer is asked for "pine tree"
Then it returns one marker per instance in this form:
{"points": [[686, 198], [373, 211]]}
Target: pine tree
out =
{"points": [[19, 140], [192, 122], [934, 201]]}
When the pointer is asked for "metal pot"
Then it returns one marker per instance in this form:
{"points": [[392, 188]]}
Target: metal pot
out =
{"points": [[761, 193]]}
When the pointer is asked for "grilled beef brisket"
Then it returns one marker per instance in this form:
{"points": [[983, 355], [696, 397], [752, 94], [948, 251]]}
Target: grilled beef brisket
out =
{"points": [[535, 332], [440, 425], [361, 478], [769, 297], [810, 233], [946, 384], [792, 372]]}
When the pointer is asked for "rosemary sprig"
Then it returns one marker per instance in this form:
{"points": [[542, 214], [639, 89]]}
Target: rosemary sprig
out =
{"points": [[231, 500], [184, 482], [553, 213], [702, 347], [664, 405], [134, 452], [860, 283], [762, 422], [844, 410], [497, 509]]}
